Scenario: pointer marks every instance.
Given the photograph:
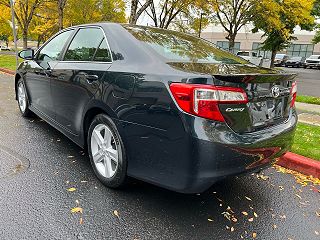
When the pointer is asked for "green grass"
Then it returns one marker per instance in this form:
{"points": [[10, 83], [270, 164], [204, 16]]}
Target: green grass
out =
{"points": [[307, 141], [308, 99], [8, 61]]}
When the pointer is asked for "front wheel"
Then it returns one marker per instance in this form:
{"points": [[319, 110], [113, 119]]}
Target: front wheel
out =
{"points": [[22, 98], [107, 152]]}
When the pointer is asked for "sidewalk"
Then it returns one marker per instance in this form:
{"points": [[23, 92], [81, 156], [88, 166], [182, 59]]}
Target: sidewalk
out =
{"points": [[309, 113]]}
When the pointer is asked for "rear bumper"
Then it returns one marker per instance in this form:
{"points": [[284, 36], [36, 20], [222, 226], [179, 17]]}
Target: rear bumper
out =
{"points": [[195, 152], [218, 152]]}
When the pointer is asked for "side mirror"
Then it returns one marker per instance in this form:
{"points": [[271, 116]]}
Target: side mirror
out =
{"points": [[27, 54]]}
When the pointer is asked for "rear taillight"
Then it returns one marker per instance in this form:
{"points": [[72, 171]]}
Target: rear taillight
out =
{"points": [[203, 100], [293, 93]]}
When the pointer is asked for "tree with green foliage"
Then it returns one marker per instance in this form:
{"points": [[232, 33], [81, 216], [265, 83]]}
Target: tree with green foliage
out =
{"points": [[278, 18], [232, 15], [316, 14]]}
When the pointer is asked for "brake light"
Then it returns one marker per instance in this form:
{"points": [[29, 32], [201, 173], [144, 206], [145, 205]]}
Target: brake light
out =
{"points": [[203, 100], [293, 93]]}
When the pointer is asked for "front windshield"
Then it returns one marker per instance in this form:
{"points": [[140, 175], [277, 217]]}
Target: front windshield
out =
{"points": [[315, 57], [180, 47]]}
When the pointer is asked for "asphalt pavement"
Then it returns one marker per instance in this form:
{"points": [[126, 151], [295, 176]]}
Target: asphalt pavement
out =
{"points": [[308, 81], [38, 165]]}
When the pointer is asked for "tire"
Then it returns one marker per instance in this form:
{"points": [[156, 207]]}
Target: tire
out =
{"points": [[23, 101], [104, 145]]}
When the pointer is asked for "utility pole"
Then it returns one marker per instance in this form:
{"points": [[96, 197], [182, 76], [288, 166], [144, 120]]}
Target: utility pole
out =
{"points": [[201, 23], [14, 31]]}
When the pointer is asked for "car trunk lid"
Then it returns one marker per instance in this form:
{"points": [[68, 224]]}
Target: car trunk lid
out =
{"points": [[268, 93]]}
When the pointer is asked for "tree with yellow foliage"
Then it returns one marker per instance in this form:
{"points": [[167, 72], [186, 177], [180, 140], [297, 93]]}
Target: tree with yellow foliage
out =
{"points": [[278, 18], [5, 29], [24, 12]]}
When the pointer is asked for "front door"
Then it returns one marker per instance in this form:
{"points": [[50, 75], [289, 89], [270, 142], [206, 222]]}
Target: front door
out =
{"points": [[39, 74]]}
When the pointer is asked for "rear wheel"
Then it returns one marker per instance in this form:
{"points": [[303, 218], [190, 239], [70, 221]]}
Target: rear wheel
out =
{"points": [[107, 152], [22, 98]]}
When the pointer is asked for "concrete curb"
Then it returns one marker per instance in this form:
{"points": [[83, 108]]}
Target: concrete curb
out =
{"points": [[300, 163], [8, 71]]}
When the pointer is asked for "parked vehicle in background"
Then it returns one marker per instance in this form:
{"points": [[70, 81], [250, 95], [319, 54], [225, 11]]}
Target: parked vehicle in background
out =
{"points": [[4, 48], [312, 62], [251, 57], [295, 62], [158, 105], [280, 59]]}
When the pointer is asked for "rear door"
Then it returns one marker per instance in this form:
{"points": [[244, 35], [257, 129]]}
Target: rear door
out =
{"points": [[39, 73], [77, 77]]}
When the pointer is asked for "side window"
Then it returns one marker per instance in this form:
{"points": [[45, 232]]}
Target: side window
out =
{"points": [[102, 54], [84, 45], [52, 50]]}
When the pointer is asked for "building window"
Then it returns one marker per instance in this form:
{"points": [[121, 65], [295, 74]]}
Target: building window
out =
{"points": [[257, 48], [301, 50], [225, 46]]}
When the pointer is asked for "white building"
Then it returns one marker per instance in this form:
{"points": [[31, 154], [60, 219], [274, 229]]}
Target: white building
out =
{"points": [[248, 41]]}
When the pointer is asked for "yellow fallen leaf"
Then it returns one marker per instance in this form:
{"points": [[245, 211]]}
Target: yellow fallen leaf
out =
{"points": [[234, 219], [255, 214], [299, 196], [81, 220], [250, 219], [77, 210], [232, 229], [248, 198], [210, 220], [71, 189], [254, 235], [115, 212], [318, 214], [245, 213], [274, 226]]}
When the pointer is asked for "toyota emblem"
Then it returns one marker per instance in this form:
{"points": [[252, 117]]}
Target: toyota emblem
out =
{"points": [[275, 91]]}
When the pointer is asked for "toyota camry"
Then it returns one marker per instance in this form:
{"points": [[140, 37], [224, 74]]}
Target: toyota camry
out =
{"points": [[161, 106]]}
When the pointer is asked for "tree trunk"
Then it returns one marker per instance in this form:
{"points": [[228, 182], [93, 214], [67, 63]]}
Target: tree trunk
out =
{"points": [[39, 40], [231, 43], [25, 38], [60, 19], [273, 55], [133, 12]]}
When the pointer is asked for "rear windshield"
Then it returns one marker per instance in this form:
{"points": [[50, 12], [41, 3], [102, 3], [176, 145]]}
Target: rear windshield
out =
{"points": [[296, 58], [180, 47], [279, 56]]}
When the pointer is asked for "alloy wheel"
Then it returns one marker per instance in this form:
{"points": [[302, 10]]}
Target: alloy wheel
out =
{"points": [[104, 151], [22, 97]]}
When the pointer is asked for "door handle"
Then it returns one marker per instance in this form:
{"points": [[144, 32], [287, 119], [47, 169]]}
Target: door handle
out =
{"points": [[91, 78], [48, 72]]}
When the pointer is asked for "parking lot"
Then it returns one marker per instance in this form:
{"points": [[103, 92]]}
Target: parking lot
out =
{"points": [[308, 81], [39, 165]]}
